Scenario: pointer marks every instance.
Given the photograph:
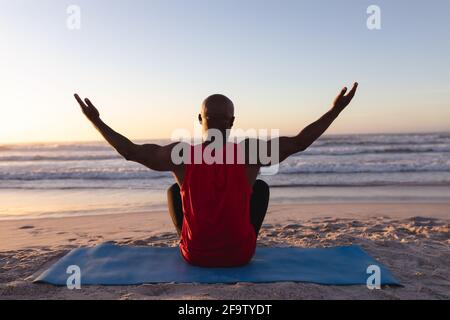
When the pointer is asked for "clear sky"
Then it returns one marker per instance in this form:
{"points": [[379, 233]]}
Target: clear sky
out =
{"points": [[147, 65]]}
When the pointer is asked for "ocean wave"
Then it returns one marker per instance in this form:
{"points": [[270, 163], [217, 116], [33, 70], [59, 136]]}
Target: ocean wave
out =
{"points": [[273, 184], [68, 146], [87, 175], [346, 151], [88, 187], [361, 169], [44, 147], [354, 142], [148, 174], [58, 157], [365, 184], [312, 151]]}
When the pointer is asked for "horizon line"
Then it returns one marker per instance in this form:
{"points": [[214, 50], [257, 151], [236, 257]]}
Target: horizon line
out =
{"points": [[168, 138]]}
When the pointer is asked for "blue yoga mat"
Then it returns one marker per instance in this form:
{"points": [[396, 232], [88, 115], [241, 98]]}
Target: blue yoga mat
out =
{"points": [[110, 264]]}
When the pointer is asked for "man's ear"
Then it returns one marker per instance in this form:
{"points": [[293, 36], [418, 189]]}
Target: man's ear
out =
{"points": [[231, 122], [200, 118]]}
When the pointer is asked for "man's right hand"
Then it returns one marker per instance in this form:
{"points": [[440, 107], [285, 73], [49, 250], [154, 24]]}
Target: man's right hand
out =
{"points": [[88, 108]]}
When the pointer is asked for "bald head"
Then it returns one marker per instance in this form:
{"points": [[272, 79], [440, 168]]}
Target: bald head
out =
{"points": [[218, 104], [217, 112]]}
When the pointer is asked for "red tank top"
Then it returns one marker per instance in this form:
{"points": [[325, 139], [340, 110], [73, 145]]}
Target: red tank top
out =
{"points": [[216, 228]]}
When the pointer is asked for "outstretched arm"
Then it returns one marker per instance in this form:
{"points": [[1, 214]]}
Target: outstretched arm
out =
{"points": [[300, 142], [152, 156]]}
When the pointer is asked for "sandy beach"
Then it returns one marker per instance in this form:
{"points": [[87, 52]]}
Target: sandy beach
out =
{"points": [[411, 239]]}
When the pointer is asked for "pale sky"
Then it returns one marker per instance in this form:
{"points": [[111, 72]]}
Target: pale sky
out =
{"points": [[148, 65]]}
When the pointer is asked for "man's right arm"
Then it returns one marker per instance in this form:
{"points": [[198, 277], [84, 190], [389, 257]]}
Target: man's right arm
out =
{"points": [[153, 156]]}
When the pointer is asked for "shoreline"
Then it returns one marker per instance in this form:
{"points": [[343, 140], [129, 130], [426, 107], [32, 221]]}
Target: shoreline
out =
{"points": [[62, 203], [436, 212]]}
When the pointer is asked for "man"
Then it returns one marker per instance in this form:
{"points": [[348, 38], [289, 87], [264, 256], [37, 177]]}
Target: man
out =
{"points": [[217, 208]]}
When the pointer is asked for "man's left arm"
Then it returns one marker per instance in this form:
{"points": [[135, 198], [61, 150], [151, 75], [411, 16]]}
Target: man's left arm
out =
{"points": [[291, 145]]}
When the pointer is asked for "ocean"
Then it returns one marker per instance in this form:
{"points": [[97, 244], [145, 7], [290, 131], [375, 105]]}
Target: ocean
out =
{"points": [[65, 179]]}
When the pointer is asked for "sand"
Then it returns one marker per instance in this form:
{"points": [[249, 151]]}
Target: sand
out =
{"points": [[411, 239]]}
